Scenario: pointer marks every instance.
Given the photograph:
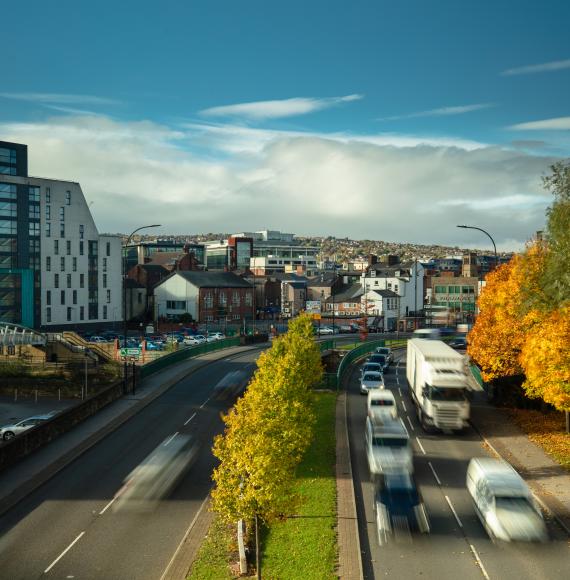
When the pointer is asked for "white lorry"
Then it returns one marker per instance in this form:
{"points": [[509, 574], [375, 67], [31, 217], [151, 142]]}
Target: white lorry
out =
{"points": [[438, 384]]}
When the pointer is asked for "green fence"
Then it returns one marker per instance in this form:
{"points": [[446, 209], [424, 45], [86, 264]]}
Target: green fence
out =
{"points": [[185, 353], [476, 372]]}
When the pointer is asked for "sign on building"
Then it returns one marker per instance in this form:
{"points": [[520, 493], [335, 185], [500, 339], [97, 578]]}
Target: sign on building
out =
{"points": [[313, 307]]}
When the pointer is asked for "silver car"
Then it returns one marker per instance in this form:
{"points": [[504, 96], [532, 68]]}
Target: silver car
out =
{"points": [[10, 431]]}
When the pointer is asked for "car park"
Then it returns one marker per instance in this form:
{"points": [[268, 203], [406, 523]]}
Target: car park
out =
{"points": [[387, 352], [503, 501], [388, 448], [399, 508], [381, 405], [10, 431], [371, 381]]}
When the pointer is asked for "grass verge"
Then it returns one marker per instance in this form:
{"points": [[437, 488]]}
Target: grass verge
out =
{"points": [[304, 546], [546, 430], [213, 559]]}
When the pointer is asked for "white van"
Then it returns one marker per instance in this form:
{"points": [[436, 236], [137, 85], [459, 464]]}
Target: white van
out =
{"points": [[503, 501]]}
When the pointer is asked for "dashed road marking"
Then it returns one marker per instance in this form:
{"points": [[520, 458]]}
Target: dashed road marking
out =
{"points": [[64, 553], [404, 406], [453, 511], [188, 420], [107, 506], [421, 446], [410, 422], [434, 473], [170, 438], [204, 403], [483, 571]]}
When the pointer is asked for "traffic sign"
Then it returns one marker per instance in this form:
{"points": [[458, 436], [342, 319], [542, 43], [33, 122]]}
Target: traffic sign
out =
{"points": [[131, 353]]}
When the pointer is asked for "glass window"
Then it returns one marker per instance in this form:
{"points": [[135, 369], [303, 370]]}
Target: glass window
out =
{"points": [[48, 263], [81, 248], [248, 301], [75, 297], [68, 247], [104, 280], [81, 312], [235, 299], [62, 230], [48, 194], [69, 313], [104, 264], [69, 280], [104, 312], [56, 280], [74, 262], [8, 191], [62, 297], [68, 198], [62, 264], [223, 300], [108, 248], [48, 230], [441, 289], [7, 209], [81, 280], [48, 297], [8, 227], [61, 214], [34, 228], [48, 212], [56, 247], [48, 314], [33, 193], [108, 296], [81, 231], [34, 212]]}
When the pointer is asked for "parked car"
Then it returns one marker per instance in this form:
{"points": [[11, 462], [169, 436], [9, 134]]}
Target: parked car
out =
{"points": [[10, 431], [399, 507], [503, 501], [387, 352], [172, 338], [371, 381], [200, 338], [380, 359], [381, 405], [150, 346], [216, 335], [97, 339], [326, 330], [191, 341]]}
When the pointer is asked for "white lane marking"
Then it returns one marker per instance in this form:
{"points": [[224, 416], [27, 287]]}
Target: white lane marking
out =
{"points": [[404, 406], [483, 571], [410, 422], [108, 505], [204, 403], [171, 438], [64, 553], [397, 380], [400, 391], [434, 473], [421, 446], [188, 420], [453, 510], [184, 538]]}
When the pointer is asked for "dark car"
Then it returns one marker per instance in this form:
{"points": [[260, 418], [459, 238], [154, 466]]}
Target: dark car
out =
{"points": [[399, 508], [458, 343], [381, 359]]}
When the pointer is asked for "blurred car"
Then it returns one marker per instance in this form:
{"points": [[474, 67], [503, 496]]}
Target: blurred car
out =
{"points": [[381, 405], [370, 367], [231, 386], [371, 381], [458, 343], [399, 508], [157, 476], [503, 501], [387, 352], [10, 431], [380, 359], [388, 448]]}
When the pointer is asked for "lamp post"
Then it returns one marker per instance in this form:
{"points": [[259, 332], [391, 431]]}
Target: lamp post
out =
{"points": [[488, 235], [125, 298]]}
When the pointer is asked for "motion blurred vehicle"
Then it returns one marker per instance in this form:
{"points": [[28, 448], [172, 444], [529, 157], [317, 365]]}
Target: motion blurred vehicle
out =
{"points": [[387, 352], [231, 386], [157, 476], [380, 359], [370, 367], [388, 448], [381, 405], [349, 328], [503, 501], [427, 333], [10, 431], [399, 508], [371, 381], [458, 343]]}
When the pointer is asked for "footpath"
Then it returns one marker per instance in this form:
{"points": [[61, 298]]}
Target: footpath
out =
{"points": [[24, 477]]}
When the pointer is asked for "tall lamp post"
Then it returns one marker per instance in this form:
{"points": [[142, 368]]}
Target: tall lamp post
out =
{"points": [[125, 298], [488, 235]]}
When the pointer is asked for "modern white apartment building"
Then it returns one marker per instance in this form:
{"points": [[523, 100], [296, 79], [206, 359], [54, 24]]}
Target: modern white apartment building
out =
{"points": [[76, 271]]}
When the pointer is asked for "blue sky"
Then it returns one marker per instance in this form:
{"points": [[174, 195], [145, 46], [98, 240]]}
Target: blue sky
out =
{"points": [[461, 104]]}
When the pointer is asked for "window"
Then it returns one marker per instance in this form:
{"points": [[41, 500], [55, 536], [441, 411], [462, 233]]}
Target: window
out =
{"points": [[108, 248], [8, 227], [235, 299], [81, 312], [48, 264], [109, 297], [69, 280], [61, 214], [441, 289], [68, 247], [68, 198], [8, 191], [172, 304], [48, 230], [74, 264], [81, 231], [48, 314], [56, 247], [209, 318], [48, 194], [48, 297], [62, 230], [139, 297], [75, 297], [56, 280], [69, 314], [104, 280], [81, 248], [248, 300], [222, 299], [104, 264], [34, 193], [104, 312], [236, 317], [48, 212], [34, 228], [82, 280], [395, 287], [208, 300], [7, 209], [34, 212], [62, 297], [62, 264]]}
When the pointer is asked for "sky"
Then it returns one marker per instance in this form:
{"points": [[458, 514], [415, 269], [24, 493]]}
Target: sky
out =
{"points": [[369, 119]]}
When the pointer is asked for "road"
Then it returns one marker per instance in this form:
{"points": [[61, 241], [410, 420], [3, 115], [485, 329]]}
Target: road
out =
{"points": [[458, 547], [68, 528]]}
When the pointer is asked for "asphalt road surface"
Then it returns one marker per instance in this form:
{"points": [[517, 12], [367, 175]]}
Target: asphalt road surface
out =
{"points": [[458, 546], [68, 528]]}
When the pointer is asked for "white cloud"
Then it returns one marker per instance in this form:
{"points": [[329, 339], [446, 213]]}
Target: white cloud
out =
{"points": [[260, 110], [441, 112], [377, 187], [557, 124], [538, 68], [57, 98]]}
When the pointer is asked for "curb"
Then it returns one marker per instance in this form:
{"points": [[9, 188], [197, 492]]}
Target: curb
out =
{"points": [[542, 503], [55, 467]]}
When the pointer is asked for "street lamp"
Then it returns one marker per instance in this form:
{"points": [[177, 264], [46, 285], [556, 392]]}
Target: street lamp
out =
{"points": [[488, 235], [125, 298]]}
